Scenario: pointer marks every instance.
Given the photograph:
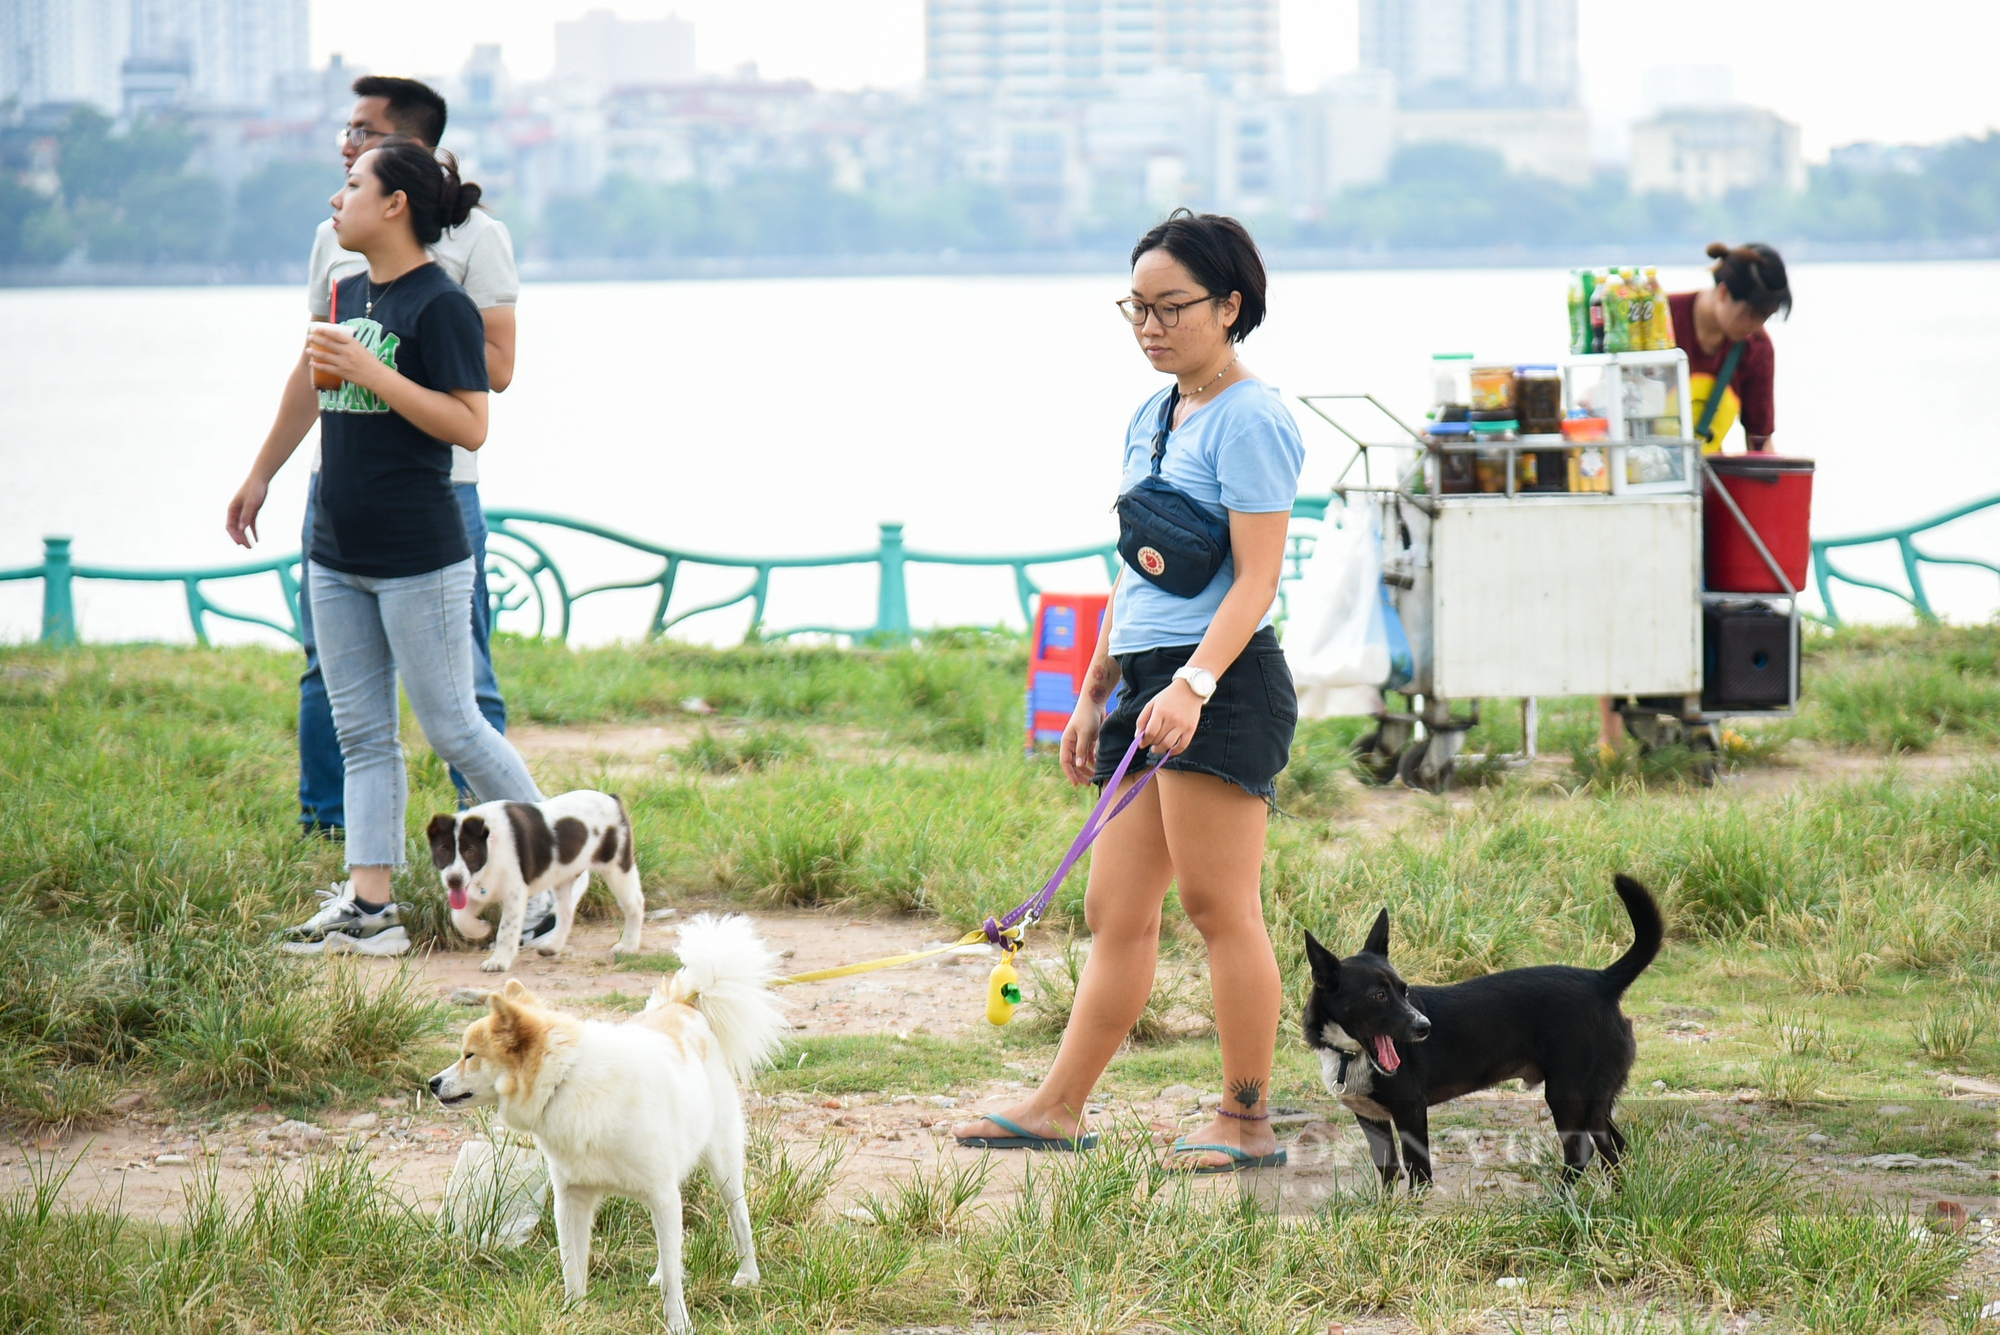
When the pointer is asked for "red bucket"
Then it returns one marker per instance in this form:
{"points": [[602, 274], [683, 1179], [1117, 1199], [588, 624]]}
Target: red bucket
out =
{"points": [[1775, 495]]}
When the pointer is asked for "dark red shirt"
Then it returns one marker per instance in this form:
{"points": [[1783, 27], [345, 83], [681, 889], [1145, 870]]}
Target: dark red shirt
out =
{"points": [[1754, 374]]}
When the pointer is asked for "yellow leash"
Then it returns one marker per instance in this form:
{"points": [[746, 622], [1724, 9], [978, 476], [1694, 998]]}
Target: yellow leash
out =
{"points": [[1003, 987], [975, 937]]}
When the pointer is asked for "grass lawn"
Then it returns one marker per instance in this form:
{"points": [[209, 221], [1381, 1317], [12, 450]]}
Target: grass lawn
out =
{"points": [[1834, 947]]}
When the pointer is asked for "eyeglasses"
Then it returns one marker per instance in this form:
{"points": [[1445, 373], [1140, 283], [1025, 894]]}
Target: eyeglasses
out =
{"points": [[356, 135], [1169, 313]]}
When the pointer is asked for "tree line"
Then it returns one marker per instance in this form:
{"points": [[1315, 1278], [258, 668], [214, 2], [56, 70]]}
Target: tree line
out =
{"points": [[130, 197]]}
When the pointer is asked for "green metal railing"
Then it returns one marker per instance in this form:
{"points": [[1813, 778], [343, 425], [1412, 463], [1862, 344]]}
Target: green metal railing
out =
{"points": [[59, 573], [529, 580], [1825, 573], [525, 579]]}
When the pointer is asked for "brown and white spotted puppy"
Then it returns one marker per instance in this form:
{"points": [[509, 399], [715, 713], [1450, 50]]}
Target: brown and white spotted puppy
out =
{"points": [[631, 1109], [511, 851]]}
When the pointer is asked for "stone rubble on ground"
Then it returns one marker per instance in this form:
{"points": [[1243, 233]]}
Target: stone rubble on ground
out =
{"points": [[1899, 1163], [292, 1133], [1970, 1085]]}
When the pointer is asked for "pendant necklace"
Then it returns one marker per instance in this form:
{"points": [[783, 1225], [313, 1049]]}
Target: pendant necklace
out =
{"points": [[368, 309], [1211, 383]]}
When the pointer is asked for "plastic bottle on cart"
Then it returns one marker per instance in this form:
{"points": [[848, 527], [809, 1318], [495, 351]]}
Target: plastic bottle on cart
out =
{"points": [[1594, 297], [1641, 314], [1579, 310], [1618, 303], [1660, 334]]}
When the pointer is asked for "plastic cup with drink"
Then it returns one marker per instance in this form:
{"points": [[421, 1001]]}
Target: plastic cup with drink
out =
{"points": [[326, 380]]}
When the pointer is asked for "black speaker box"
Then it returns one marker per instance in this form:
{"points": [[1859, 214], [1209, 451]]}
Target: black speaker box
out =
{"points": [[1746, 657]]}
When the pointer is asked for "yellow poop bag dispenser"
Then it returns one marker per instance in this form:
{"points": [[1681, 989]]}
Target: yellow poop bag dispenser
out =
{"points": [[1003, 989]]}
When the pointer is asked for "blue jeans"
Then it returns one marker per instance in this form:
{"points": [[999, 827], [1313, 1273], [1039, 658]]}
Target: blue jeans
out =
{"points": [[372, 632], [321, 776]]}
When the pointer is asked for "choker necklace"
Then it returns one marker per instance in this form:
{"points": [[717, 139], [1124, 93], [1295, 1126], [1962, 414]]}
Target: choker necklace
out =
{"points": [[1188, 394]]}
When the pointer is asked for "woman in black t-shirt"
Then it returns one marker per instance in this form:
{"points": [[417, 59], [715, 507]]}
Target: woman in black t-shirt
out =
{"points": [[391, 568]]}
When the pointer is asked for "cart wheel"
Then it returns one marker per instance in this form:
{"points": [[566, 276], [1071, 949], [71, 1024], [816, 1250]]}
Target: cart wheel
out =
{"points": [[1375, 766], [1707, 763], [1408, 766], [1653, 731]]}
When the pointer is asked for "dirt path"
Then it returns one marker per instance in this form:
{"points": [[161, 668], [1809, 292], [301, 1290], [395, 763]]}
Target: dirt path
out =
{"points": [[146, 1161]]}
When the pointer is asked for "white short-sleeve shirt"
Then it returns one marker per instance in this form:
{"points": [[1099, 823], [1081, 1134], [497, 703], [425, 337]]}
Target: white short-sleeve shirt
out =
{"points": [[479, 256]]}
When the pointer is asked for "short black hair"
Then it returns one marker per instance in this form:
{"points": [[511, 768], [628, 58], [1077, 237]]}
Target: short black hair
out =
{"points": [[1754, 275], [415, 108], [1219, 253]]}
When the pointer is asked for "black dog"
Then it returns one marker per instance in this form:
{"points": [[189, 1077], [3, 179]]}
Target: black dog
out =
{"points": [[1388, 1051]]}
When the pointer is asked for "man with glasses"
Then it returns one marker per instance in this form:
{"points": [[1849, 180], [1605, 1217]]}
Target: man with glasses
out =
{"points": [[479, 256]]}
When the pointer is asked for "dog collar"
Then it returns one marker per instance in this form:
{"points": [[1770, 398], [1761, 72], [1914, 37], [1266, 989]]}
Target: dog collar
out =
{"points": [[1346, 1059]]}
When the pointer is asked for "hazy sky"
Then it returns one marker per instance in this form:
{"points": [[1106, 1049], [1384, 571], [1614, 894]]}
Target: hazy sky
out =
{"points": [[1845, 70]]}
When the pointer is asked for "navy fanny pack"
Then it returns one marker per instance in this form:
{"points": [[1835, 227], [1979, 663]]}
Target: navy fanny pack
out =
{"points": [[1174, 541]]}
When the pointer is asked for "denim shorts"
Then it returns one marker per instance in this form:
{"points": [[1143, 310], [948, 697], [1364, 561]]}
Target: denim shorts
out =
{"points": [[1245, 734]]}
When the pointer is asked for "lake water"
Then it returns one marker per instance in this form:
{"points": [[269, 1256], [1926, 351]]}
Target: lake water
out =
{"points": [[790, 416]]}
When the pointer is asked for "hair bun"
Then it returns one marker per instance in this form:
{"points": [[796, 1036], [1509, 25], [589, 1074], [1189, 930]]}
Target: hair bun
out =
{"points": [[1717, 249], [466, 200], [458, 197]]}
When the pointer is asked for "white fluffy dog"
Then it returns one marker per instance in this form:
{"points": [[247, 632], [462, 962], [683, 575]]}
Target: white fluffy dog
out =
{"points": [[629, 1109], [515, 850]]}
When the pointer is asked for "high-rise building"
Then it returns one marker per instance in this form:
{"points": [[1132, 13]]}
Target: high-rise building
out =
{"points": [[1459, 54], [602, 51], [63, 50], [1082, 48], [233, 50]]}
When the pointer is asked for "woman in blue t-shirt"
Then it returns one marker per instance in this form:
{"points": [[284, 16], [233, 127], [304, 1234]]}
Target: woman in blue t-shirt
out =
{"points": [[1201, 678], [391, 570]]}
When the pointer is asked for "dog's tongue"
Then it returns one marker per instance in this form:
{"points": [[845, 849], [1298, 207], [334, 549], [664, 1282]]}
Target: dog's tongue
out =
{"points": [[1385, 1053], [457, 897]]}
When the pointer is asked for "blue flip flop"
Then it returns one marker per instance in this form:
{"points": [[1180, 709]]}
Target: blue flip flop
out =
{"points": [[1024, 1139], [1240, 1160]]}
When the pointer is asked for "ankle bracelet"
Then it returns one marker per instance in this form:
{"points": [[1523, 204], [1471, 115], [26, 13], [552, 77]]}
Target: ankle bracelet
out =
{"points": [[1245, 1117]]}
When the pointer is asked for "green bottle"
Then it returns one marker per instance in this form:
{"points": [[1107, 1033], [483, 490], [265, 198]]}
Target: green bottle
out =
{"points": [[1618, 303]]}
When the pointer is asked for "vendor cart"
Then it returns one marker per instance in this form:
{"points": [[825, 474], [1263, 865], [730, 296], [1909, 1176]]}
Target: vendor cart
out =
{"points": [[1519, 593]]}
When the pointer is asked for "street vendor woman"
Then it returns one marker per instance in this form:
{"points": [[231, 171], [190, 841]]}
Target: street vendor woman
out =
{"points": [[1721, 329], [1725, 323]]}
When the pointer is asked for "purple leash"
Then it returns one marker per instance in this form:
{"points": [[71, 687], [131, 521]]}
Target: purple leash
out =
{"points": [[1032, 908]]}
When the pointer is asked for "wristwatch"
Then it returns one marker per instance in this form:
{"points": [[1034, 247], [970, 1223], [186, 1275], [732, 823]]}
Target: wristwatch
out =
{"points": [[1200, 680]]}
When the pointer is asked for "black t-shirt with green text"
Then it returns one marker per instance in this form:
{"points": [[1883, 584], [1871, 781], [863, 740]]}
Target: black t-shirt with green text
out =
{"points": [[386, 508]]}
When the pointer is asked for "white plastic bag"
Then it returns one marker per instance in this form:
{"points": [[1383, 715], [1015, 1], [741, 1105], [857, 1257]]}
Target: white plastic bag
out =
{"points": [[1336, 640], [495, 1193]]}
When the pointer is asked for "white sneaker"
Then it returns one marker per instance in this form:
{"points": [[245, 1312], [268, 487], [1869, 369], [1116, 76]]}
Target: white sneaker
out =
{"points": [[538, 920], [340, 927]]}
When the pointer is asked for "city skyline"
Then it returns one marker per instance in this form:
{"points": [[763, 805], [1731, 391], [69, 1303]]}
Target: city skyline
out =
{"points": [[1896, 83]]}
